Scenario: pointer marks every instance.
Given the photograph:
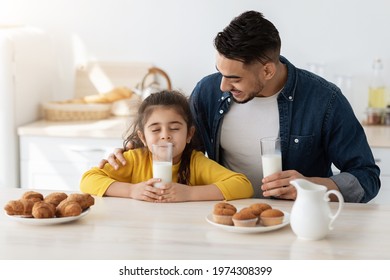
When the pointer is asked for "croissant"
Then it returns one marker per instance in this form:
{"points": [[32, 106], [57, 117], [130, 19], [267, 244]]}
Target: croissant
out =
{"points": [[19, 207], [109, 97], [35, 196], [85, 200], [42, 209], [68, 208], [55, 198]]}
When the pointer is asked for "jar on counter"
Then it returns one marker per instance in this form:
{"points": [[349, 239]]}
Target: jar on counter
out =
{"points": [[377, 90], [375, 116], [386, 117]]}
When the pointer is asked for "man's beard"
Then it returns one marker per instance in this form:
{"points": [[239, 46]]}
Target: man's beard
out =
{"points": [[243, 101], [252, 95]]}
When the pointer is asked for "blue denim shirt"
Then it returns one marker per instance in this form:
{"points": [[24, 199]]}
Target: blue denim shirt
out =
{"points": [[317, 128]]}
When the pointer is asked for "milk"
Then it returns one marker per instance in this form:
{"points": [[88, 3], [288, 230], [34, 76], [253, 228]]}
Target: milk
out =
{"points": [[162, 162], [272, 163], [162, 170]]}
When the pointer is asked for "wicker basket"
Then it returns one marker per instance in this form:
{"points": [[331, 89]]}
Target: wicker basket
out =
{"points": [[55, 111]]}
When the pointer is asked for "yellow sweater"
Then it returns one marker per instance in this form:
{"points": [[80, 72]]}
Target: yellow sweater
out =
{"points": [[138, 168]]}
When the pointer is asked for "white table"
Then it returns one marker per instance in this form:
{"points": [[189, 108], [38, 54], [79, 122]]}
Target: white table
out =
{"points": [[119, 228]]}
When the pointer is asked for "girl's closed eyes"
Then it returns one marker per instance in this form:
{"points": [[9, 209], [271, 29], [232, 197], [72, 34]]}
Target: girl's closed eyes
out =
{"points": [[157, 129]]}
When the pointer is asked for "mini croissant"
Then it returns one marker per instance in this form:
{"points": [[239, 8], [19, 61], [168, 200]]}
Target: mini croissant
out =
{"points": [[43, 209], [85, 200], [32, 195], [68, 208], [55, 198], [19, 207]]}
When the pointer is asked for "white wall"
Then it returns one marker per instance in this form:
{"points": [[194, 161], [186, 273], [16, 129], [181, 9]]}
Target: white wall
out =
{"points": [[344, 36]]}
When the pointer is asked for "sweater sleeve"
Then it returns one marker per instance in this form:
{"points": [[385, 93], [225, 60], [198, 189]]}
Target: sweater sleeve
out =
{"points": [[205, 171], [96, 181]]}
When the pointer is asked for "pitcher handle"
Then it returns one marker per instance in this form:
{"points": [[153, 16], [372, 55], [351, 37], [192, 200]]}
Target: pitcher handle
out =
{"points": [[341, 204]]}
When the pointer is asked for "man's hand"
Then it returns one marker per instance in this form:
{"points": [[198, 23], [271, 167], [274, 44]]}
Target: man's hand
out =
{"points": [[278, 185], [116, 157]]}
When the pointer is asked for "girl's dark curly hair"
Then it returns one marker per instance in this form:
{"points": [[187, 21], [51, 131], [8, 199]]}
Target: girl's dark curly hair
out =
{"points": [[172, 99]]}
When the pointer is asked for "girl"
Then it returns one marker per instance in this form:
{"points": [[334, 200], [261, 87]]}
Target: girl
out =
{"points": [[166, 117]]}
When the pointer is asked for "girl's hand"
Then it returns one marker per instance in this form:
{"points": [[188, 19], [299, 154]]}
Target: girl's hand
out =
{"points": [[146, 192], [174, 192]]}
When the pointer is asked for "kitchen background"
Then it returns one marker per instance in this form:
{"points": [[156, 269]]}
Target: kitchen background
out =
{"points": [[342, 37], [338, 39]]}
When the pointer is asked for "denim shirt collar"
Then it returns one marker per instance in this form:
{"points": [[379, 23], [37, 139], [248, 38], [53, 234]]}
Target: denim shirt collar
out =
{"points": [[288, 91]]}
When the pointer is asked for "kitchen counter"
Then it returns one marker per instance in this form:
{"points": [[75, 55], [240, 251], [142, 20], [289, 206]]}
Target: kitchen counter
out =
{"points": [[378, 136], [126, 229], [113, 127]]}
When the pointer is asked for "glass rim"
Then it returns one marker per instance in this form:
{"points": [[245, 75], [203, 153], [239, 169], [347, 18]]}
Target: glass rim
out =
{"points": [[270, 138]]}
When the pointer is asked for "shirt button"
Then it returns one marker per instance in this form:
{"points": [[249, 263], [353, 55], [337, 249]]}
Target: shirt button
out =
{"points": [[221, 112], [296, 140], [290, 97], [229, 100], [222, 98]]}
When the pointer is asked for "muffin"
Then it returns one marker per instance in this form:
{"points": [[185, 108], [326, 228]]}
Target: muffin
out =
{"points": [[258, 208], [245, 218], [223, 213], [271, 217]]}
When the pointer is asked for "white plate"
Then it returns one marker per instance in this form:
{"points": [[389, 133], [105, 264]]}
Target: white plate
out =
{"points": [[47, 221], [257, 228]]}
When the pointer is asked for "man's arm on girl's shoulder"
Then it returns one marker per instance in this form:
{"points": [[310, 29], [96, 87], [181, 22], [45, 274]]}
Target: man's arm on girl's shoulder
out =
{"points": [[113, 159], [117, 156]]}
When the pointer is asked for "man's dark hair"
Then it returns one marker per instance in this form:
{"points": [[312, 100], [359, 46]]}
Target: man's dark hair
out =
{"points": [[249, 38]]}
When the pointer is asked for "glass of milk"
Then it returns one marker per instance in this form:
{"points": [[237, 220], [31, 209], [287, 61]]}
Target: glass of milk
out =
{"points": [[271, 155], [162, 163]]}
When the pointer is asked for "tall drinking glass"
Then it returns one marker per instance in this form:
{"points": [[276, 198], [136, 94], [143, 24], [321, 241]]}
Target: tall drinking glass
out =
{"points": [[162, 163], [271, 155]]}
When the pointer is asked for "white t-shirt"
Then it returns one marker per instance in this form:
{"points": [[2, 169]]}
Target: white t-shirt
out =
{"points": [[242, 128]]}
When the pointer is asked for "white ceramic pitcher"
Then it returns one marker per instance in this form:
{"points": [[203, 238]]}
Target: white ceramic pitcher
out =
{"points": [[311, 217]]}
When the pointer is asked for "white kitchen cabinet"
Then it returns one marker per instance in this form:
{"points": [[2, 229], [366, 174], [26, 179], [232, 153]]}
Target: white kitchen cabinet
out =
{"points": [[54, 155], [59, 162]]}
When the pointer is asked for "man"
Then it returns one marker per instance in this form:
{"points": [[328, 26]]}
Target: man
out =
{"points": [[258, 93]]}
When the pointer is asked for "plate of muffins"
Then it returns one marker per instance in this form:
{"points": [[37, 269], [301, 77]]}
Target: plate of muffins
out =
{"points": [[55, 208], [257, 217]]}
